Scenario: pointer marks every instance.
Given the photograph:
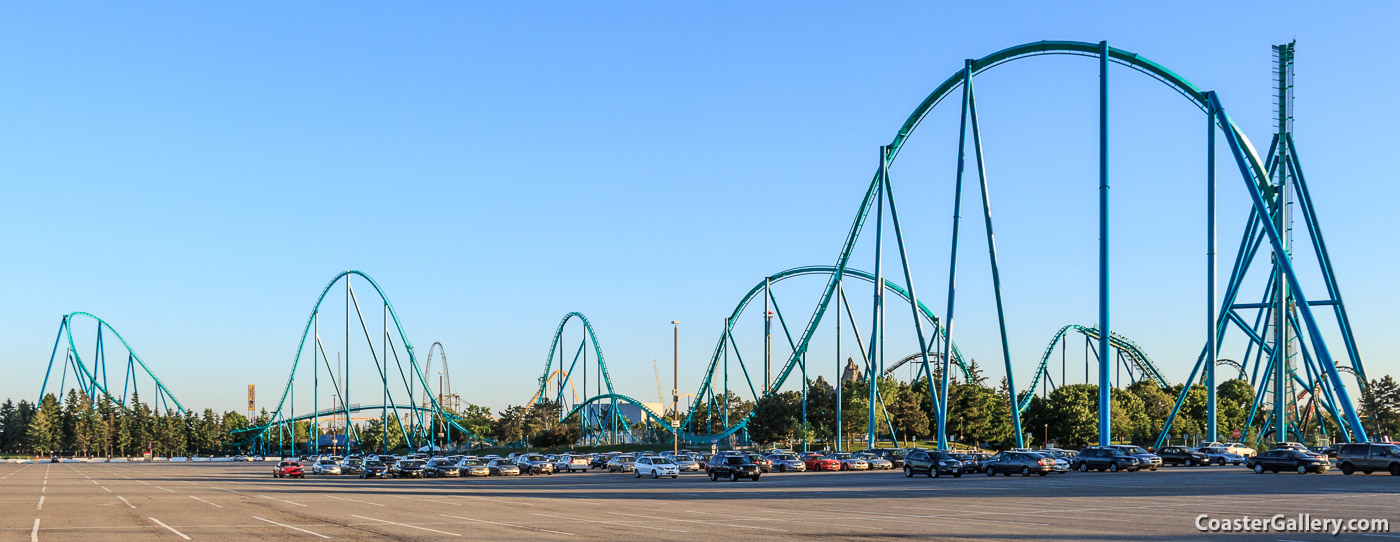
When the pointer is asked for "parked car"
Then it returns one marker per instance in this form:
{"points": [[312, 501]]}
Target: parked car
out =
{"points": [[471, 466], [733, 467], [876, 462], [786, 461], [655, 467], [352, 466], [1149, 460], [1061, 465], [600, 461], [1369, 458], [972, 462], [570, 463], [1107, 458], [932, 463], [501, 466], [764, 464], [1279, 459], [533, 464], [1329, 452], [894, 455], [288, 469], [1026, 463], [1219, 456], [409, 468], [442, 467], [622, 463], [850, 462], [818, 462], [1240, 448], [687, 463], [1182, 456], [325, 466], [374, 469]]}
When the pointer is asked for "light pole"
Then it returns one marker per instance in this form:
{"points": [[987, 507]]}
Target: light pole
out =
{"points": [[675, 387]]}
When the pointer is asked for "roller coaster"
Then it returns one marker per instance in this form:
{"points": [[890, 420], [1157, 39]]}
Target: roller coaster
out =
{"points": [[1286, 356], [94, 380]]}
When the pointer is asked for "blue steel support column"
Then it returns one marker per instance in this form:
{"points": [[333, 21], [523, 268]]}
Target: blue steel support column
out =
{"points": [[879, 301], [996, 269], [913, 306], [315, 396], [1105, 405], [725, 338], [941, 398], [1212, 342], [1248, 169], [837, 381], [63, 324]]}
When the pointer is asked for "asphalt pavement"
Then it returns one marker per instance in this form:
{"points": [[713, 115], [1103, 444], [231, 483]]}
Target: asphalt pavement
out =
{"points": [[242, 501]]}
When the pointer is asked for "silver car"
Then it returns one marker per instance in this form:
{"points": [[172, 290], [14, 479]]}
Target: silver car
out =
{"points": [[787, 462], [686, 463], [1218, 456], [502, 467], [850, 461], [570, 463], [325, 466], [876, 462], [470, 466]]}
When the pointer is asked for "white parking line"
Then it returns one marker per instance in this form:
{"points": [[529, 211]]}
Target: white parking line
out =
{"points": [[164, 489], [41, 503], [698, 521], [105, 488], [353, 500], [406, 525], [290, 527], [205, 502], [128, 503], [427, 500], [283, 500], [169, 528], [606, 522], [508, 525], [34, 534]]}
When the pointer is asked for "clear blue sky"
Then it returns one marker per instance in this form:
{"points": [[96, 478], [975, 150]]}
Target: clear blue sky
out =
{"points": [[195, 174]]}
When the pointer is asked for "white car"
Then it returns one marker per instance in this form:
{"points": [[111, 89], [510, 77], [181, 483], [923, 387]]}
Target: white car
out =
{"points": [[655, 467], [1221, 456], [1241, 449], [570, 463], [325, 466], [850, 461]]}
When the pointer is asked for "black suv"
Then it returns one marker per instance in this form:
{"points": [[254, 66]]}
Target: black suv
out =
{"points": [[1106, 458], [1369, 458], [1179, 455], [932, 463], [1288, 459], [733, 467]]}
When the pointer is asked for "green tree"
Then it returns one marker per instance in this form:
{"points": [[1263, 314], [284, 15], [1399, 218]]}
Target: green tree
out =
{"points": [[1380, 404], [45, 434], [775, 417], [908, 414]]}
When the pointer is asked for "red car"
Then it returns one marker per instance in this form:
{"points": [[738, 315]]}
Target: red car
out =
{"points": [[816, 462], [288, 469]]}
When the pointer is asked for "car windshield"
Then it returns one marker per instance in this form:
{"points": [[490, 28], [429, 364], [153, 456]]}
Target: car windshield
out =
{"points": [[373, 464], [661, 461], [841, 456], [327, 462], [939, 455], [1392, 449], [1136, 450], [624, 459], [786, 457], [734, 460], [442, 461], [289, 464], [412, 463]]}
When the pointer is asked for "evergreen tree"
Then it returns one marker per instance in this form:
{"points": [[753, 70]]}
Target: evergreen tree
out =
{"points": [[45, 434]]}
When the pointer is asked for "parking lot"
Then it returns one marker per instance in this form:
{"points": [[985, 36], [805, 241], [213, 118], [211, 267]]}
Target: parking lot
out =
{"points": [[238, 501]]}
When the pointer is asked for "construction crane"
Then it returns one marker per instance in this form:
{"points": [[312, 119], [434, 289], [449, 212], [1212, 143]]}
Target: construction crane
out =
{"points": [[659, 399]]}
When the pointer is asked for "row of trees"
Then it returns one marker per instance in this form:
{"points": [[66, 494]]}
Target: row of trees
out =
{"points": [[83, 427], [979, 415]]}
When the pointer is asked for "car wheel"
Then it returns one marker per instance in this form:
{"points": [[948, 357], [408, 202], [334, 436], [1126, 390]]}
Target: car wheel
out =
{"points": [[638, 474], [1347, 469], [1112, 467], [713, 477], [1258, 468], [908, 472], [782, 468], [1187, 463], [1025, 471], [991, 472], [1083, 467], [733, 476], [755, 477], [655, 475], [1302, 469], [933, 471], [1394, 470]]}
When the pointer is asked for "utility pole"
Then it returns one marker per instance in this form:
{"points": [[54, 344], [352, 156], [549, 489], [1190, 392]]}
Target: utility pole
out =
{"points": [[675, 387]]}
